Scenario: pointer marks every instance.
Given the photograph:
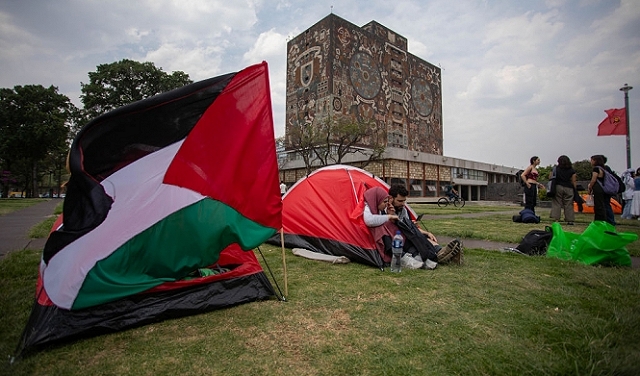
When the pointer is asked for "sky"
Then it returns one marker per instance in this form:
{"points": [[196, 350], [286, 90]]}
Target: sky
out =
{"points": [[519, 78]]}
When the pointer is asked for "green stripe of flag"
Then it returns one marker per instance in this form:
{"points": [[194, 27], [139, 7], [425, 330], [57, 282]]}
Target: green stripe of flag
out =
{"points": [[188, 239]]}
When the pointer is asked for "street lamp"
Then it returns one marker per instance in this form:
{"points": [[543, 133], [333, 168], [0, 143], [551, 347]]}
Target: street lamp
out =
{"points": [[626, 89]]}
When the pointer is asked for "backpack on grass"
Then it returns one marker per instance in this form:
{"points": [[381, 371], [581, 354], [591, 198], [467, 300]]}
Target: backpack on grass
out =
{"points": [[535, 242], [526, 216]]}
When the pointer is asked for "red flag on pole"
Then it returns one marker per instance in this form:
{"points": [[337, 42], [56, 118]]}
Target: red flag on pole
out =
{"points": [[615, 124]]}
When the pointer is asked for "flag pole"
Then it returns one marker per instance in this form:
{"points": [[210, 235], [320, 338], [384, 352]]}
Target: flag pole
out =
{"points": [[626, 89], [284, 263]]}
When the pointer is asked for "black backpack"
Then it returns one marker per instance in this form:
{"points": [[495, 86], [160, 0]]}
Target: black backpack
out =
{"points": [[535, 242], [519, 177]]}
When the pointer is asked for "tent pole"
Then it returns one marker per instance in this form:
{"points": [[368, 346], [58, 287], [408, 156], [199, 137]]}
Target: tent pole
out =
{"points": [[284, 263]]}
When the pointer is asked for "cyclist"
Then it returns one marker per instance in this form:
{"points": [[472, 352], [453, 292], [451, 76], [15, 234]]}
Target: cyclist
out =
{"points": [[450, 191]]}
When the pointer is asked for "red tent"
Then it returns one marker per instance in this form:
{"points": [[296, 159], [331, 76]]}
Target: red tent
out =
{"points": [[317, 214]]}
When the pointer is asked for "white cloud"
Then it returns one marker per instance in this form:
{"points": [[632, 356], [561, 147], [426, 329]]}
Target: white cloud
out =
{"points": [[270, 47], [519, 78]]}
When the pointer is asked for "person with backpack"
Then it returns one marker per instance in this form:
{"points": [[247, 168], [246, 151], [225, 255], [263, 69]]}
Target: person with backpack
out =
{"points": [[596, 189], [530, 178], [565, 183], [607, 199]]}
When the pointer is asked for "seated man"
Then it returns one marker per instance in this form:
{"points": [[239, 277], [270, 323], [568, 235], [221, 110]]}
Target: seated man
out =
{"points": [[418, 241], [450, 191]]}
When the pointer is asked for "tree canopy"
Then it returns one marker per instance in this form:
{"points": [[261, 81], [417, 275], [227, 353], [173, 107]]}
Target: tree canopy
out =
{"points": [[117, 84], [34, 124], [583, 169]]}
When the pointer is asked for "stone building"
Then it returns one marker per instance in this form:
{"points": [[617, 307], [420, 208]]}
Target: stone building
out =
{"points": [[340, 72]]}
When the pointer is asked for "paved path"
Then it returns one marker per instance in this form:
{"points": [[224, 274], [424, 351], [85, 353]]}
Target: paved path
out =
{"points": [[15, 226]]}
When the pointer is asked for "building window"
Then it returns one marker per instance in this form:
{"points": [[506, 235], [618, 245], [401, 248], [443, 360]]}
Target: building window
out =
{"points": [[398, 181], [431, 190], [415, 189], [468, 174]]}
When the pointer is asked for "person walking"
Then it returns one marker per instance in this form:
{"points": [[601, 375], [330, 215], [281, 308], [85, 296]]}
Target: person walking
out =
{"points": [[530, 178], [565, 185]]}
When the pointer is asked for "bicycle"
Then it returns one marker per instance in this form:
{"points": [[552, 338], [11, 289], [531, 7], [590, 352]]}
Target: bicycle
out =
{"points": [[457, 201]]}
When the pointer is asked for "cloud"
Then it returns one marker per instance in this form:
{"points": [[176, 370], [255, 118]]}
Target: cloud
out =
{"points": [[519, 78], [270, 47]]}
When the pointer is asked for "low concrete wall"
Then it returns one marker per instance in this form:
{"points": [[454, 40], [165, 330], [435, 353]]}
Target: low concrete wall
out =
{"points": [[511, 192]]}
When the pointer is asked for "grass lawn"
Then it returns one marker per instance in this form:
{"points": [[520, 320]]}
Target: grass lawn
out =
{"points": [[8, 205], [498, 314], [497, 224]]}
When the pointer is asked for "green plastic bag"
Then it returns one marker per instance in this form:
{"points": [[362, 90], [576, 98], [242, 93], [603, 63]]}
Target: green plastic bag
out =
{"points": [[598, 244]]}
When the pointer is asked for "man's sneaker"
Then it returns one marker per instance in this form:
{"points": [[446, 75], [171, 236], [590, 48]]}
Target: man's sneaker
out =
{"points": [[452, 249], [459, 258], [409, 262], [430, 265]]}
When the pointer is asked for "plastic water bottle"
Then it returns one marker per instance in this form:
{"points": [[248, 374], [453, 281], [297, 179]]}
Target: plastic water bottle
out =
{"points": [[396, 249]]}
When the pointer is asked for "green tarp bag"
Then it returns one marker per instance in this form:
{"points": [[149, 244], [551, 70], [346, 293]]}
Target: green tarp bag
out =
{"points": [[598, 244]]}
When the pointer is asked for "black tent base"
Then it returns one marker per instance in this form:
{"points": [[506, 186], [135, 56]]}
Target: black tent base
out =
{"points": [[50, 325]]}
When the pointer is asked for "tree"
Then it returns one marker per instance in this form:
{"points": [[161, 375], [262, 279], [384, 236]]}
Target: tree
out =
{"points": [[331, 141], [544, 173], [34, 125], [583, 169], [127, 81], [302, 138]]}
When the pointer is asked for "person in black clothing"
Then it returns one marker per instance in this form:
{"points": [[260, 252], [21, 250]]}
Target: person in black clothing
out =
{"points": [[565, 183], [607, 199], [595, 188]]}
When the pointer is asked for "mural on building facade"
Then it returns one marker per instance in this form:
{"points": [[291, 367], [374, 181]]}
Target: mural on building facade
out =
{"points": [[337, 70]]}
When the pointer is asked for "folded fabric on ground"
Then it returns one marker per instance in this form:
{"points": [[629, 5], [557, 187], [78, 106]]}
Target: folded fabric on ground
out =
{"points": [[598, 244], [320, 256]]}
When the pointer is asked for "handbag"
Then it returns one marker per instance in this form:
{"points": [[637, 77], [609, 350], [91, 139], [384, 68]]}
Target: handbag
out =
{"points": [[551, 188], [589, 201], [551, 185]]}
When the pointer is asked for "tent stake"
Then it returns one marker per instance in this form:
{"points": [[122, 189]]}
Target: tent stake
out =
{"points": [[284, 263]]}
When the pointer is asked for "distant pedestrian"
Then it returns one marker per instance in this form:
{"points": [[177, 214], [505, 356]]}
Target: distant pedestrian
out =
{"points": [[530, 178], [627, 195], [283, 188], [565, 183], [635, 203]]}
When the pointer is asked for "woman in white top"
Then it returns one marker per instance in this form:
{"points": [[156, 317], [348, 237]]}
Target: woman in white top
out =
{"points": [[627, 195], [379, 215]]}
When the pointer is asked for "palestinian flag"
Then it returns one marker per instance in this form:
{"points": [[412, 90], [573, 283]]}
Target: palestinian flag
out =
{"points": [[159, 189]]}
